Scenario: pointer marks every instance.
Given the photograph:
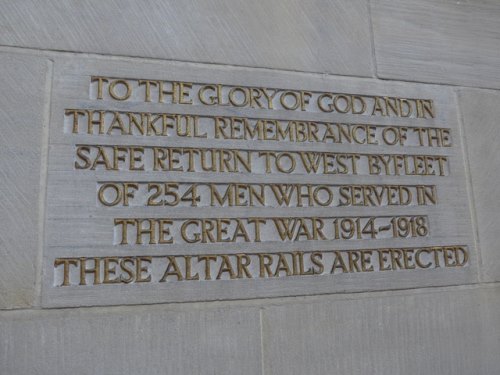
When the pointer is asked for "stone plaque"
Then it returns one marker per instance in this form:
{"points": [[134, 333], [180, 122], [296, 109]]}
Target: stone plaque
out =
{"points": [[181, 182]]}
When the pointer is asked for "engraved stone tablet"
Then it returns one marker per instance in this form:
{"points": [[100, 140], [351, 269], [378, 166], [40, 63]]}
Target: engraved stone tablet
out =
{"points": [[180, 182]]}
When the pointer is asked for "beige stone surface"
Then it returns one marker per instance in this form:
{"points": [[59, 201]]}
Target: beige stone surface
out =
{"points": [[481, 111], [421, 322], [451, 42], [141, 340], [453, 332], [441, 331], [317, 35], [23, 98]]}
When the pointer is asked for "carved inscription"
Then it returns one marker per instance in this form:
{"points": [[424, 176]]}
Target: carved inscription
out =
{"points": [[201, 194], [209, 267], [352, 197]]}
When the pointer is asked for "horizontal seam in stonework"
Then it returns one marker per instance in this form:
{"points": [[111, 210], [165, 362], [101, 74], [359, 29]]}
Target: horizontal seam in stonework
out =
{"points": [[454, 85], [159, 59], [284, 70], [269, 301]]}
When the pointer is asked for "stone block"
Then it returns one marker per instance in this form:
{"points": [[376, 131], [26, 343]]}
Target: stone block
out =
{"points": [[451, 42], [315, 36], [23, 98], [139, 340], [423, 332], [481, 111], [79, 226]]}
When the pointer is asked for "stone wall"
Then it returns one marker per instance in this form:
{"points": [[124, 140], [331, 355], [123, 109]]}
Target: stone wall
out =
{"points": [[426, 327]]}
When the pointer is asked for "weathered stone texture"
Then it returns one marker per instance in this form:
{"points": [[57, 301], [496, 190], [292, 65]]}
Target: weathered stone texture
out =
{"points": [[454, 42], [318, 35], [441, 332], [22, 96], [142, 340], [445, 332], [481, 111]]}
